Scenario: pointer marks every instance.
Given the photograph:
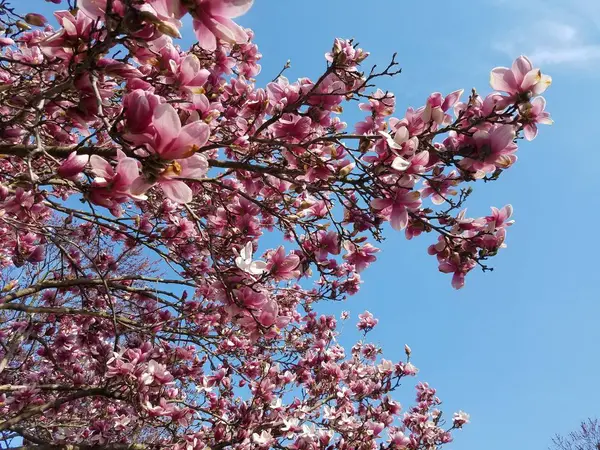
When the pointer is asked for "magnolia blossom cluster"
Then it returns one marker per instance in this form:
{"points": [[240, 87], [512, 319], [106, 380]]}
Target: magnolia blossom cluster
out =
{"points": [[139, 305]]}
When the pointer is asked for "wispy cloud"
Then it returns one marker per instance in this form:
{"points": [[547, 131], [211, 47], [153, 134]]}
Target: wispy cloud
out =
{"points": [[564, 35]]}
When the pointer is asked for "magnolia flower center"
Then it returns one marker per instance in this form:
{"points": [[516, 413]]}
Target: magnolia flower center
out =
{"points": [[174, 169]]}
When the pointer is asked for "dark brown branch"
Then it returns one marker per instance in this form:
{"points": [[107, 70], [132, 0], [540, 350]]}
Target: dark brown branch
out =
{"points": [[37, 410]]}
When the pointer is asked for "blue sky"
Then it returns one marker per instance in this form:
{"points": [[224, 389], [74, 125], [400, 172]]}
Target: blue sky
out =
{"points": [[516, 348]]}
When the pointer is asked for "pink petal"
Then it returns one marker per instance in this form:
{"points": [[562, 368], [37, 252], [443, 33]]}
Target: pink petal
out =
{"points": [[189, 68], [458, 280], [538, 104], [381, 203], [230, 8], [127, 172], [399, 217], [195, 166], [544, 119], [73, 165], [532, 78], [94, 9], [530, 131], [140, 186], [227, 30], [542, 85], [206, 38], [177, 191], [194, 133], [167, 124], [520, 68], [451, 99], [501, 79], [101, 167], [401, 135], [501, 137]]}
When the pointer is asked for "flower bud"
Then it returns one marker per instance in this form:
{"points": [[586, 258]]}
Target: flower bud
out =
{"points": [[345, 171], [22, 25], [168, 29], [73, 165], [35, 19], [5, 42]]}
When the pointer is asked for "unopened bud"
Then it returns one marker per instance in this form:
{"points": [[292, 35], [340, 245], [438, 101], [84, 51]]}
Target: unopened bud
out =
{"points": [[344, 171], [35, 19], [407, 350], [22, 25], [10, 286], [168, 29], [5, 42]]}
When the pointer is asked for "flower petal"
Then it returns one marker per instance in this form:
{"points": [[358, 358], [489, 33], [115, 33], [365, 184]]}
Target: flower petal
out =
{"points": [[177, 191], [195, 166], [499, 79], [400, 164], [167, 124], [230, 8], [399, 218]]}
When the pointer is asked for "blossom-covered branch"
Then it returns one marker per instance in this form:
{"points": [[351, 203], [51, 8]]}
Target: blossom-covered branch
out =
{"points": [[137, 179]]}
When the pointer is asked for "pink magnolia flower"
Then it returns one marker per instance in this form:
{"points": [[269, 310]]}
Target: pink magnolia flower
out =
{"points": [[250, 298], [533, 113], [138, 109], [499, 217], [380, 103], [191, 75], [169, 180], [396, 209], [168, 12], [521, 78], [174, 141], [73, 165], [283, 267], [494, 149], [437, 105], [212, 21], [440, 187], [458, 268], [361, 257], [74, 30], [156, 372], [268, 314], [327, 243], [112, 185], [399, 440], [366, 321]]}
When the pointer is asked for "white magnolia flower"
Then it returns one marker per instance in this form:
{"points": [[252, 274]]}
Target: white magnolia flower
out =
{"points": [[290, 424], [460, 418], [400, 164], [390, 141], [245, 263], [264, 438], [402, 135]]}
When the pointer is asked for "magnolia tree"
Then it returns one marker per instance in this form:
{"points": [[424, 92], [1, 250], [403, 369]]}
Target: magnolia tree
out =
{"points": [[136, 181]]}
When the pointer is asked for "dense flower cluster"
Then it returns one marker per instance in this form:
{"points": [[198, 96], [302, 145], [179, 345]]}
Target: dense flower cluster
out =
{"points": [[136, 181]]}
